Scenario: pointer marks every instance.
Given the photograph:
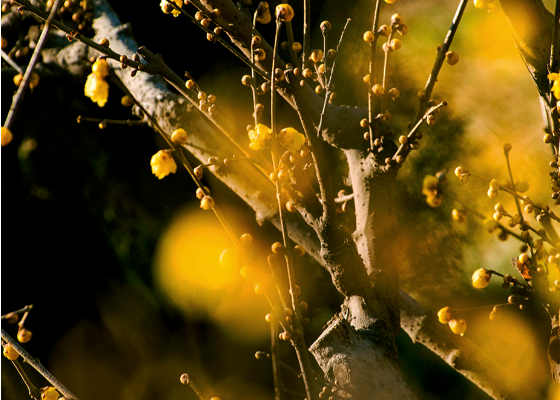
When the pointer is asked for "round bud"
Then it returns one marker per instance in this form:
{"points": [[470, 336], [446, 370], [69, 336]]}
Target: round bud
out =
{"points": [[303, 306], [207, 203], [185, 380], [369, 37], [444, 315], [259, 54], [325, 27], [297, 47], [10, 353], [284, 12], [247, 80], [179, 136], [458, 326], [190, 84], [451, 57], [377, 89], [394, 93], [384, 30], [298, 251], [24, 335], [269, 317], [397, 19], [278, 248], [261, 355], [403, 139], [316, 55], [104, 42], [395, 44]]}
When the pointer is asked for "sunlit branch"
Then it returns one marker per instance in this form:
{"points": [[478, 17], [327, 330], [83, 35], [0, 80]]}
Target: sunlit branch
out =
{"points": [[38, 366]]}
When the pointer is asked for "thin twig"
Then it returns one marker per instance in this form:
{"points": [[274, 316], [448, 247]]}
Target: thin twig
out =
{"points": [[253, 76], [372, 53], [38, 366], [413, 131], [385, 63], [34, 391], [16, 102], [275, 357], [306, 33], [517, 203], [111, 121], [440, 58], [20, 311], [12, 63]]}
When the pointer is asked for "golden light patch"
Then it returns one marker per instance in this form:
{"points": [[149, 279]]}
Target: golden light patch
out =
{"points": [[188, 271]]}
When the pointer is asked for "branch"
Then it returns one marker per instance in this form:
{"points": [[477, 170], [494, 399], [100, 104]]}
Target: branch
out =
{"points": [[38, 366], [532, 26], [172, 112], [462, 354]]}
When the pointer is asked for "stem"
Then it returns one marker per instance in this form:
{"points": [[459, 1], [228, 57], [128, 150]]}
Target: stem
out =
{"points": [[553, 66], [275, 356], [306, 34], [128, 122], [417, 126], [253, 77], [20, 311], [29, 70], [34, 391], [371, 99], [517, 203], [440, 58], [385, 62], [38, 366], [9, 60]]}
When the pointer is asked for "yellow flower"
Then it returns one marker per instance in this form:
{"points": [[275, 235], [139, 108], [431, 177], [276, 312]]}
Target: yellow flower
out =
{"points": [[259, 137], [101, 68], [97, 89], [480, 278], [163, 164], [458, 326], [49, 393], [555, 85], [6, 136], [10, 353], [444, 315], [430, 188], [291, 139], [164, 8]]}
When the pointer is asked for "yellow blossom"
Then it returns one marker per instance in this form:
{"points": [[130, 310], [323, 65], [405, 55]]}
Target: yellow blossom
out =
{"points": [[175, 12], [485, 4], [10, 353], [555, 78], [49, 393], [291, 139], [480, 278], [259, 137], [101, 68], [444, 315], [97, 89], [163, 164], [6, 136], [458, 326]]}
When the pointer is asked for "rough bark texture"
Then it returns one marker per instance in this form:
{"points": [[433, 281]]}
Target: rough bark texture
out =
{"points": [[357, 348]]}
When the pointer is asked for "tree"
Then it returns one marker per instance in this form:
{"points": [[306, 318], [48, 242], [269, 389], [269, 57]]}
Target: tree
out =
{"points": [[357, 350]]}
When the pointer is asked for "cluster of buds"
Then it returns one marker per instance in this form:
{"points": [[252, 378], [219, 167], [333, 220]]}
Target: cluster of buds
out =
{"points": [[462, 174], [432, 188], [206, 103], [457, 325], [555, 178]]}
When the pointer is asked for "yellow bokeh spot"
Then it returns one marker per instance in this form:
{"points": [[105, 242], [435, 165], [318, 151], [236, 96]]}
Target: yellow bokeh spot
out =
{"points": [[187, 269]]}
